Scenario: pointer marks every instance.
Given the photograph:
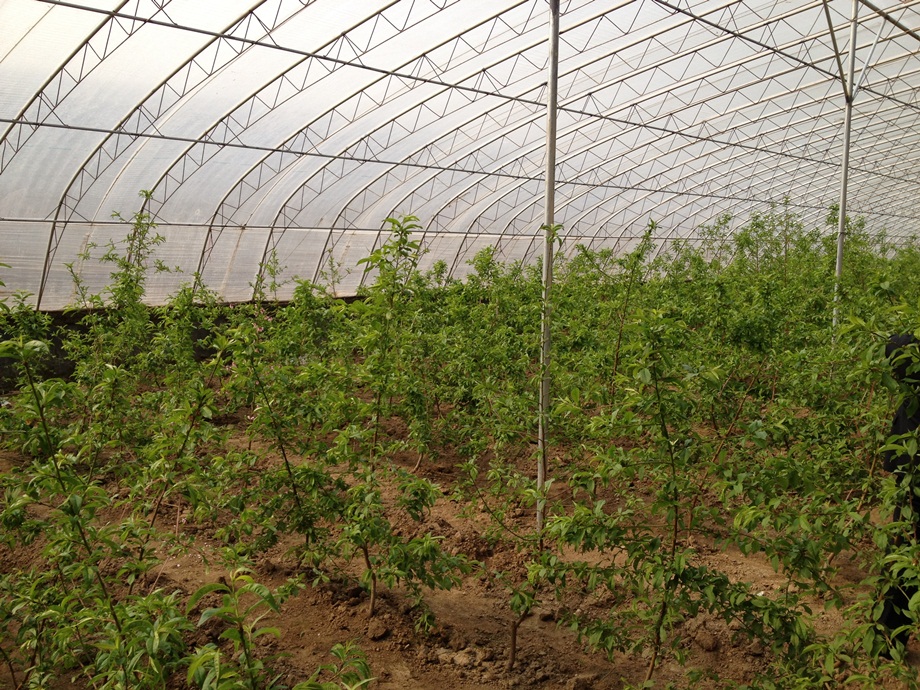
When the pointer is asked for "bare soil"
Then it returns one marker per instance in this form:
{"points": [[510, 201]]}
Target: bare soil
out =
{"points": [[469, 648]]}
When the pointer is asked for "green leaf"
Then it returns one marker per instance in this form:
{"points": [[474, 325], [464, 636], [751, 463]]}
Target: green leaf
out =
{"points": [[276, 632], [203, 592], [223, 612]]}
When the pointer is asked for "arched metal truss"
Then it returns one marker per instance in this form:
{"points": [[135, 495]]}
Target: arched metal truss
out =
{"points": [[289, 130]]}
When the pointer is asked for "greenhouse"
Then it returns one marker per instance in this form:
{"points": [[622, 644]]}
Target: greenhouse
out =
{"points": [[459, 343]]}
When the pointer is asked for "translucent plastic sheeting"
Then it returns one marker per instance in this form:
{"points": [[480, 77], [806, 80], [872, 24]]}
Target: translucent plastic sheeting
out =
{"points": [[234, 263], [18, 250], [351, 247], [87, 244], [289, 130], [299, 253]]}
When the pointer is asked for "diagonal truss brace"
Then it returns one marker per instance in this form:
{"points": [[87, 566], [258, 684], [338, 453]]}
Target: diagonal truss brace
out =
{"points": [[888, 18]]}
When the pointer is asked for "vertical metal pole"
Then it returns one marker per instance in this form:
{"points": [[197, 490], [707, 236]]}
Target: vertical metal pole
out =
{"points": [[548, 238], [849, 94]]}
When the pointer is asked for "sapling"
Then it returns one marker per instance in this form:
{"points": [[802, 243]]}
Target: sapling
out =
{"points": [[244, 604], [388, 558], [384, 312], [352, 671], [84, 604], [522, 603]]}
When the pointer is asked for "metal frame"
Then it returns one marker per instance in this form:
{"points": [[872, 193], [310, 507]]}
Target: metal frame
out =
{"points": [[549, 230], [684, 111]]}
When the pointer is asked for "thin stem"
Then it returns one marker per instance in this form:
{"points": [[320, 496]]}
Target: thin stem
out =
{"points": [[512, 645], [36, 651], [60, 479], [657, 647], [248, 656], [724, 438], [244, 638], [142, 552], [102, 585], [44, 422], [616, 358], [80, 638], [9, 664], [378, 399], [278, 437], [367, 564], [97, 448], [185, 440], [675, 531]]}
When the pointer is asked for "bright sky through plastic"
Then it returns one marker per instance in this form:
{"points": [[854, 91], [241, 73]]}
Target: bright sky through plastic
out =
{"points": [[296, 128]]}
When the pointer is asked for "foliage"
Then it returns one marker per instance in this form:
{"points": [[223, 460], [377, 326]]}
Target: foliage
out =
{"points": [[701, 401], [244, 604], [351, 673]]}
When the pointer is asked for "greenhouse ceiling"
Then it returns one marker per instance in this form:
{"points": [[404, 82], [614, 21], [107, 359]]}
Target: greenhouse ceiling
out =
{"points": [[293, 128]]}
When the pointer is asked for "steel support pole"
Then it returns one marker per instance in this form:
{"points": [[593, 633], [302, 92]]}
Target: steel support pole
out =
{"points": [[548, 239], [849, 95]]}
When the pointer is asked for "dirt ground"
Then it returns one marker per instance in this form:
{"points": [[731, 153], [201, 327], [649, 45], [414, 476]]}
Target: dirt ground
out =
{"points": [[469, 647]]}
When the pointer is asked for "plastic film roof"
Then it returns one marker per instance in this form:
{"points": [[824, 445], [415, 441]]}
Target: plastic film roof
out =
{"points": [[294, 128]]}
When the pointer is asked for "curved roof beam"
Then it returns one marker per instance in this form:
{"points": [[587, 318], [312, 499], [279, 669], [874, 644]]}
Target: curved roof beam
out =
{"points": [[510, 177], [368, 146], [692, 197], [639, 185], [601, 159], [818, 211], [111, 32], [741, 35], [160, 102], [363, 200], [308, 71], [889, 18], [479, 142], [536, 145], [265, 172], [663, 62]]}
